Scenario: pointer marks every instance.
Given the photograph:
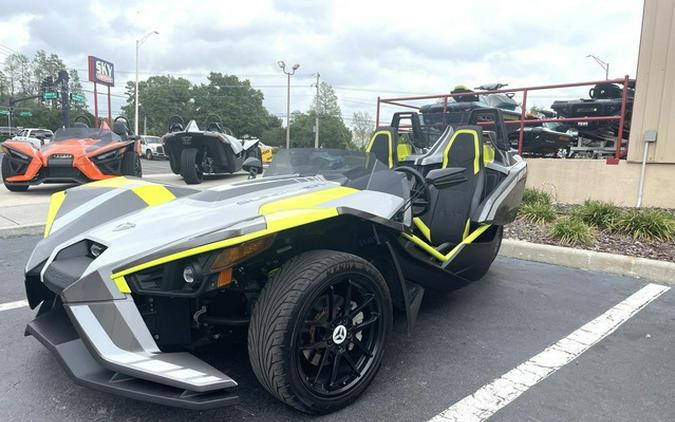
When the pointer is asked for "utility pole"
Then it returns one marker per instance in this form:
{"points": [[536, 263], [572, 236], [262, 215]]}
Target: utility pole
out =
{"points": [[63, 79], [145, 124], [290, 73], [316, 123]]}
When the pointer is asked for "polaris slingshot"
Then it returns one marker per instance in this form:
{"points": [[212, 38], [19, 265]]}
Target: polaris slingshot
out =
{"points": [[310, 259], [193, 152], [74, 155]]}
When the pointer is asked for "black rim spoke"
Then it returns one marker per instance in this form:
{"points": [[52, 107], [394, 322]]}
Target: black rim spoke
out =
{"points": [[348, 299], [314, 346], [315, 323], [361, 347], [331, 303], [324, 360], [351, 364], [335, 369], [367, 323], [365, 303]]}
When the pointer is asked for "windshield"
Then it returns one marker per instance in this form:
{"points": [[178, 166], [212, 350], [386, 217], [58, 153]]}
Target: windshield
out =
{"points": [[356, 169], [152, 139], [104, 135]]}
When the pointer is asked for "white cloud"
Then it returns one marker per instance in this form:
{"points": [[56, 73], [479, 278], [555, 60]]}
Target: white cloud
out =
{"points": [[364, 48]]}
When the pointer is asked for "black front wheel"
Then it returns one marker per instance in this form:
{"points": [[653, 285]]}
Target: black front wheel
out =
{"points": [[148, 155], [189, 166], [131, 164], [318, 330]]}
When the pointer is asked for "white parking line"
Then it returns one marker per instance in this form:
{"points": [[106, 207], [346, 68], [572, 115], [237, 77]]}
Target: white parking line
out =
{"points": [[493, 396], [13, 305]]}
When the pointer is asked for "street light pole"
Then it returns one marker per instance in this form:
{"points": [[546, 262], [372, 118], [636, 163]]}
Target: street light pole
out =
{"points": [[316, 123], [602, 64], [138, 44], [290, 73]]}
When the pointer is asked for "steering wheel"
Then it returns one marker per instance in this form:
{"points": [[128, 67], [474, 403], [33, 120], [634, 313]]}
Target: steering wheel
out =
{"points": [[419, 192]]}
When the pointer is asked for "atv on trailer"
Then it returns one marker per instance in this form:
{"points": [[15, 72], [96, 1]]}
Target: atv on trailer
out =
{"points": [[193, 152], [311, 259], [597, 139]]}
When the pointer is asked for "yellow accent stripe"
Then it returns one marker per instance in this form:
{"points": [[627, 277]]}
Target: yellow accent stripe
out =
{"points": [[54, 206], [439, 256], [153, 194], [466, 228], [426, 231], [391, 143], [276, 222], [306, 200], [113, 182], [488, 154], [121, 284], [476, 163]]}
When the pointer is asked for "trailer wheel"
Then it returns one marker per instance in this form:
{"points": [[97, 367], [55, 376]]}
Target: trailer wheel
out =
{"points": [[318, 330], [189, 167]]}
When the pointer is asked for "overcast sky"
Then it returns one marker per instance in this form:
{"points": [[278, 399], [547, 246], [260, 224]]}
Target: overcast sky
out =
{"points": [[363, 48]]}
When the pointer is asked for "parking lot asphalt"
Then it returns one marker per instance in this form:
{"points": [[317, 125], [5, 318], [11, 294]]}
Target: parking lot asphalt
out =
{"points": [[462, 341]]}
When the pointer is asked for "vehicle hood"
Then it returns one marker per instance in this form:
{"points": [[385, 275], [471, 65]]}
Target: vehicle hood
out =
{"points": [[139, 222]]}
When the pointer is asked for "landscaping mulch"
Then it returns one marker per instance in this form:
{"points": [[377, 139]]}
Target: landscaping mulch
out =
{"points": [[614, 243]]}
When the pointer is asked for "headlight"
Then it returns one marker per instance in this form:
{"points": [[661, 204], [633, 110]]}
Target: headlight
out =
{"points": [[189, 274], [17, 154], [95, 249]]}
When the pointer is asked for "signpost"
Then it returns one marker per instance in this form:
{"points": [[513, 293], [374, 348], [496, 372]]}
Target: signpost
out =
{"points": [[50, 95], [25, 114], [77, 98], [101, 72]]}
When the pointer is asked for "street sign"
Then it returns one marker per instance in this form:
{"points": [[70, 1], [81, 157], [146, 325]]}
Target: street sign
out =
{"points": [[25, 114], [4, 112], [50, 95], [77, 98]]}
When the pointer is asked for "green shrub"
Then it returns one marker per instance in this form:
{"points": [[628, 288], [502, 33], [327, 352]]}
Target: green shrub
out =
{"points": [[536, 196], [572, 231], [646, 223], [603, 215], [537, 212]]}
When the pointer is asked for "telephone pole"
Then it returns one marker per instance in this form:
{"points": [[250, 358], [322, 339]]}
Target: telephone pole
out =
{"points": [[288, 73], [316, 123]]}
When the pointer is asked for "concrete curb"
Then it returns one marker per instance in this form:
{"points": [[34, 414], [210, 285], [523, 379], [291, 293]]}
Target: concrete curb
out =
{"points": [[630, 266], [22, 230]]}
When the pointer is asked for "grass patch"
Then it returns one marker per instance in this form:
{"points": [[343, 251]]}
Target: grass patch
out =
{"points": [[602, 215], [537, 212], [572, 231], [647, 224], [536, 196]]}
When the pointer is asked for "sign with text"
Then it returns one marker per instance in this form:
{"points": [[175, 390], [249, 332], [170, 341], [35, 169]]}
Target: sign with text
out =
{"points": [[101, 71]]}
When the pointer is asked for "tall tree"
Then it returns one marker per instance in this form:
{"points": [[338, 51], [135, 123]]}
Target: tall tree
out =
{"points": [[362, 127], [328, 101]]}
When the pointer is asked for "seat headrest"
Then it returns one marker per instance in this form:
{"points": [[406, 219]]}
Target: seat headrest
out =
{"points": [[464, 148], [382, 146]]}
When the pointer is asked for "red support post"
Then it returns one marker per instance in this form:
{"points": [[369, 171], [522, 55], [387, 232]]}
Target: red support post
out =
{"points": [[109, 109], [445, 104], [95, 106], [377, 114], [521, 133], [619, 136]]}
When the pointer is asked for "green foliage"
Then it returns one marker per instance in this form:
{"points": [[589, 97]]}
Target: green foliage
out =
{"points": [[332, 132], [362, 127], [533, 196], [571, 231], [603, 215], [537, 212], [646, 223]]}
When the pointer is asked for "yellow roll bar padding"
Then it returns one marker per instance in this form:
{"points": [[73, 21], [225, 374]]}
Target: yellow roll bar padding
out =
{"points": [[54, 206], [426, 231]]}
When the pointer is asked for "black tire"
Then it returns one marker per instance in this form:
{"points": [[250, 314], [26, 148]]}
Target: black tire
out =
{"points": [[189, 167], [131, 164], [280, 356], [148, 155], [7, 172]]}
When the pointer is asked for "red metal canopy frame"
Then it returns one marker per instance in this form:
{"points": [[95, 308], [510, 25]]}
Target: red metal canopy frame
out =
{"points": [[401, 102]]}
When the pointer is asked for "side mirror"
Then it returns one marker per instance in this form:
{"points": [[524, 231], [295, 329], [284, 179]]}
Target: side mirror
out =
{"points": [[253, 166]]}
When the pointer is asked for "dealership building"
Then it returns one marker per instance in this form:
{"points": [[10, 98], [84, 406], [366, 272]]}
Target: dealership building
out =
{"points": [[652, 127]]}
